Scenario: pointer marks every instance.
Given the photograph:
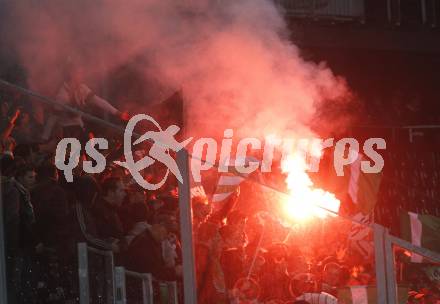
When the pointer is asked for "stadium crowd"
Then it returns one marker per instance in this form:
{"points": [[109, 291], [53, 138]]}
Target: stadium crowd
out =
{"points": [[240, 257]]}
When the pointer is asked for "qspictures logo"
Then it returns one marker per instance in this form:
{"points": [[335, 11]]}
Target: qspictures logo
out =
{"points": [[164, 143]]}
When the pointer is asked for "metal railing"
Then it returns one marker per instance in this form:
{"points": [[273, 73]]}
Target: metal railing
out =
{"points": [[171, 295], [385, 262], [115, 281], [317, 9], [428, 13], [146, 279], [120, 285], [85, 277], [389, 242]]}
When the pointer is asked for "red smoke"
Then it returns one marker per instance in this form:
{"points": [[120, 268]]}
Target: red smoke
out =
{"points": [[231, 58]]}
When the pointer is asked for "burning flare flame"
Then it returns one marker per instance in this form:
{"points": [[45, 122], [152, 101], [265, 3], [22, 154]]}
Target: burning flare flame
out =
{"points": [[305, 201]]}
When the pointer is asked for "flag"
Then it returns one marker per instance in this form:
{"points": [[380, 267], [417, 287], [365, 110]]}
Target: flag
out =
{"points": [[360, 236], [433, 273], [229, 181], [367, 295], [363, 189], [226, 185], [422, 231]]}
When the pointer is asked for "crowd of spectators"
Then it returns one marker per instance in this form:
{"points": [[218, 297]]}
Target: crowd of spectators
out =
{"points": [[45, 217], [240, 257]]}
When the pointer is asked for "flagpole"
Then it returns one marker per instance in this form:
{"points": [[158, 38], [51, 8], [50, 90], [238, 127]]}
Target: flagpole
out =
{"points": [[186, 233]]}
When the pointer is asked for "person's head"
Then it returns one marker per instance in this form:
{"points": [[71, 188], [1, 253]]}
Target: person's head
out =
{"points": [[113, 190], [74, 73], [277, 253], [7, 165], [331, 274], [155, 204], [4, 109], [26, 175], [24, 119], [171, 203], [302, 283], [24, 151], [236, 218], [233, 236], [47, 171], [8, 145], [229, 204], [297, 263], [135, 197], [86, 190], [254, 228], [163, 225], [201, 208], [77, 74], [136, 194], [344, 276], [234, 231]]}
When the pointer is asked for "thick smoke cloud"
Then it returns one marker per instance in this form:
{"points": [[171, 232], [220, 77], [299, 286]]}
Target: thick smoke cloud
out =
{"points": [[231, 59]]}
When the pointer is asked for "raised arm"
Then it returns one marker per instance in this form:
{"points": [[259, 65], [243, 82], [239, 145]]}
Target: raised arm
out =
{"points": [[104, 105], [11, 124]]}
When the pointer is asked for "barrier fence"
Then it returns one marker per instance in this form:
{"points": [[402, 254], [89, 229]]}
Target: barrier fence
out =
{"points": [[397, 12], [167, 293], [386, 285], [390, 242], [108, 284], [101, 279], [120, 285], [331, 9]]}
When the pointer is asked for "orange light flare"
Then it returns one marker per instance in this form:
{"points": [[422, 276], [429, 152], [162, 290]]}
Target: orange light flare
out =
{"points": [[304, 200]]}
